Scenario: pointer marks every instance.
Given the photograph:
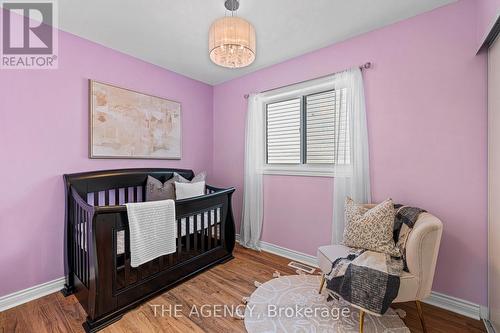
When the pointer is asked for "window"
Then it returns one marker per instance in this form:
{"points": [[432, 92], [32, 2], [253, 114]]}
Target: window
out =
{"points": [[284, 132], [308, 132]]}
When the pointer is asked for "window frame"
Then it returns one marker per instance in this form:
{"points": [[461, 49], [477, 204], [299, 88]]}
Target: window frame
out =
{"points": [[302, 168]]}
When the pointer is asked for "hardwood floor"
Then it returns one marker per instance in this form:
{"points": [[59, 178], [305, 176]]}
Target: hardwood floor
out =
{"points": [[223, 284]]}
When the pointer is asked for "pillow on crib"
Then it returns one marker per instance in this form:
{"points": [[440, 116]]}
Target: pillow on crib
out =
{"points": [[198, 178], [370, 229], [189, 190], [156, 190]]}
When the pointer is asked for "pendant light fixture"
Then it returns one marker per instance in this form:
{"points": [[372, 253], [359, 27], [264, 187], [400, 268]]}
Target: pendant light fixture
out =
{"points": [[231, 39]]}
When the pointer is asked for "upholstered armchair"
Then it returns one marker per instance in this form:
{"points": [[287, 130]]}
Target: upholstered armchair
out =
{"points": [[421, 255]]}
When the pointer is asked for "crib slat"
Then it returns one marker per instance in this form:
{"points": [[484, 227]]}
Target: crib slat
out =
{"points": [[202, 231], [106, 198], [217, 233], [77, 252], [216, 228], [77, 218], [195, 232], [179, 239], [96, 198], [209, 236], [126, 194], [213, 230], [80, 238], [188, 234], [136, 199], [222, 232], [77, 241]]}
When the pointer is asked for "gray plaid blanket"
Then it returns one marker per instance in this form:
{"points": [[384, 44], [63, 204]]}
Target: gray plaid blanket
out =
{"points": [[370, 280]]}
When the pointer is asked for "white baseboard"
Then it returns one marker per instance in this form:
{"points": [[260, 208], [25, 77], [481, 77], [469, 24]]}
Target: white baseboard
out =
{"points": [[29, 294], [287, 253], [457, 305], [440, 300]]}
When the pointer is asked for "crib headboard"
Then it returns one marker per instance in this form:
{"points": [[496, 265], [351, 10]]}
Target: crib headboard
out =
{"points": [[96, 181]]}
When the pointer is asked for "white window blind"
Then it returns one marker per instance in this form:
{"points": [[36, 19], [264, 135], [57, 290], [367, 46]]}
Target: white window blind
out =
{"points": [[327, 130], [284, 132], [309, 130]]}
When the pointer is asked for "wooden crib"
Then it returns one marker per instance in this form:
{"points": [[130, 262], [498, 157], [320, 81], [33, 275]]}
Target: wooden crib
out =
{"points": [[97, 251]]}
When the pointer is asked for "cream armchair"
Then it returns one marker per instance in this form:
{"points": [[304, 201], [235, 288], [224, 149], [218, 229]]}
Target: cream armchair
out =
{"points": [[422, 250]]}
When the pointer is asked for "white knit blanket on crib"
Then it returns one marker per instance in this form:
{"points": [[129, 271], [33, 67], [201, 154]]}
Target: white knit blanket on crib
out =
{"points": [[188, 226], [153, 230]]}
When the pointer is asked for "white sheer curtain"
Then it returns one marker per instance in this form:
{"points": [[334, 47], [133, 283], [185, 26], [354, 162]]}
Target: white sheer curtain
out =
{"points": [[251, 223], [354, 179]]}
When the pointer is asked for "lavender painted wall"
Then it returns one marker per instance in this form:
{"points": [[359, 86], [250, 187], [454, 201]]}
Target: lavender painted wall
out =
{"points": [[426, 105], [44, 133]]}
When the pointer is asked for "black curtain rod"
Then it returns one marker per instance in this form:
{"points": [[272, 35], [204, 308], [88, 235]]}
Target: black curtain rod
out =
{"points": [[362, 67]]}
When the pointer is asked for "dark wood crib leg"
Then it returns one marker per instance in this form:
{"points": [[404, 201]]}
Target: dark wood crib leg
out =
{"points": [[94, 326], [67, 290], [69, 286]]}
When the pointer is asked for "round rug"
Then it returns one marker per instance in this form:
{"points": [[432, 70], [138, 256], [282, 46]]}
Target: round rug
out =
{"points": [[292, 304]]}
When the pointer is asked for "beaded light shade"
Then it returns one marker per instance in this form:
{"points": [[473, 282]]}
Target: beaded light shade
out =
{"points": [[232, 42]]}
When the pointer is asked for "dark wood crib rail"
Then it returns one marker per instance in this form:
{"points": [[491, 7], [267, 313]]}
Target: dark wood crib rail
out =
{"points": [[98, 268]]}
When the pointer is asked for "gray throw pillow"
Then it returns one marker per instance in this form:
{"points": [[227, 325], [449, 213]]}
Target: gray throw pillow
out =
{"points": [[156, 190]]}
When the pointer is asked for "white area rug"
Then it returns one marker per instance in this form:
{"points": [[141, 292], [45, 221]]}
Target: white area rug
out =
{"points": [[281, 305]]}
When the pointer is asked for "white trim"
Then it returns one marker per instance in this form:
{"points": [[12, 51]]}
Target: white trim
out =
{"points": [[286, 253], [454, 304], [307, 170], [290, 254], [484, 312], [440, 300], [32, 293], [296, 171]]}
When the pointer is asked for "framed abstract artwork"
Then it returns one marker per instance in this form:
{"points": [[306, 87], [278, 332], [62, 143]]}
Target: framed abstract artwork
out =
{"points": [[129, 124]]}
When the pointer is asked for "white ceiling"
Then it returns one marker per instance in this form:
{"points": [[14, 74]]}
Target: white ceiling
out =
{"points": [[174, 33]]}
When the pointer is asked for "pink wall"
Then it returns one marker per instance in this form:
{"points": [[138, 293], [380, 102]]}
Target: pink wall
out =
{"points": [[426, 105], [44, 133], [487, 13]]}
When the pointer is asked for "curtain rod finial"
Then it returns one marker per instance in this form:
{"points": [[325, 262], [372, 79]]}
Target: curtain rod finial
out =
{"points": [[366, 65]]}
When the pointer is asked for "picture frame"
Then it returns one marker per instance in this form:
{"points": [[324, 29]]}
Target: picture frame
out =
{"points": [[127, 124]]}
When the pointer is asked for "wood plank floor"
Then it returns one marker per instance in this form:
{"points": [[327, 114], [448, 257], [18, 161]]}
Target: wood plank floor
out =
{"points": [[223, 284]]}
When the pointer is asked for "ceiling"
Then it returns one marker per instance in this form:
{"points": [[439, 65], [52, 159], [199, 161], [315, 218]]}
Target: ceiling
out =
{"points": [[174, 33]]}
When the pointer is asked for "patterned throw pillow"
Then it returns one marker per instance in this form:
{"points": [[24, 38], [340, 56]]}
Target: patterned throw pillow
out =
{"points": [[196, 179], [156, 190], [370, 229]]}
